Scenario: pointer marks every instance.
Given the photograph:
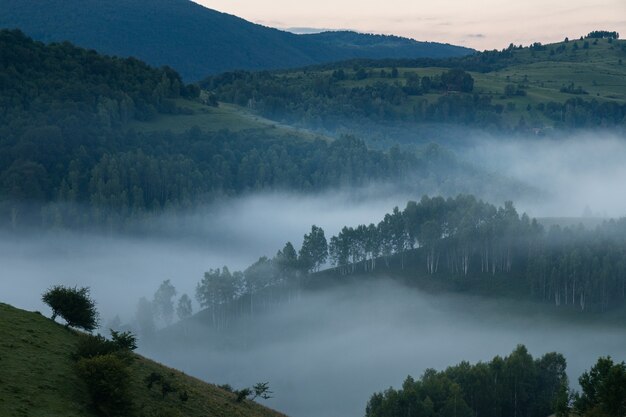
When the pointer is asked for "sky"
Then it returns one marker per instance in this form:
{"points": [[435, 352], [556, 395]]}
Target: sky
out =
{"points": [[480, 24]]}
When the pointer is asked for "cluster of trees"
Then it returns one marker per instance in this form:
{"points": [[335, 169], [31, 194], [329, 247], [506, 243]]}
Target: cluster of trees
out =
{"points": [[466, 238], [603, 390], [579, 113], [226, 294], [516, 385], [323, 98], [603, 34], [160, 311], [459, 236]]}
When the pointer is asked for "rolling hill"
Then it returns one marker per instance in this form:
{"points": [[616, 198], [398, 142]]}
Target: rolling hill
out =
{"points": [[37, 377], [195, 40], [574, 84]]}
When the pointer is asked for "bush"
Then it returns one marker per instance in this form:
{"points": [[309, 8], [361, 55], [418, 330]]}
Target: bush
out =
{"points": [[107, 379], [242, 394], [73, 305], [91, 346], [121, 344], [226, 387], [124, 340]]}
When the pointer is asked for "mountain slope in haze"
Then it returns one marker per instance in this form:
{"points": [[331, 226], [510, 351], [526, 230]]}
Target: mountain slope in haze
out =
{"points": [[195, 40], [37, 377], [360, 45]]}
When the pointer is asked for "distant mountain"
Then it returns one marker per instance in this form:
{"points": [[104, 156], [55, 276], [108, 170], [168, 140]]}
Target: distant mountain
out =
{"points": [[195, 40], [359, 45]]}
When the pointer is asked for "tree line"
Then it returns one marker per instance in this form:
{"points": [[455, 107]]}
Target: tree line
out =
{"points": [[464, 238], [462, 241]]}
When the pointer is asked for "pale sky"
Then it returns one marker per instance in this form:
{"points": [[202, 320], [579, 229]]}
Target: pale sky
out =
{"points": [[480, 24]]}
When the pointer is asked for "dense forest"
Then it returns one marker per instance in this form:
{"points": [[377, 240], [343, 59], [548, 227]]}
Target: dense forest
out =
{"points": [[67, 157], [516, 385]]}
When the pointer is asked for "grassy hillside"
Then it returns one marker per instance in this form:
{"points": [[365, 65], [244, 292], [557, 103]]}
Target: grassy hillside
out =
{"points": [[569, 84], [224, 117], [37, 377], [195, 40]]}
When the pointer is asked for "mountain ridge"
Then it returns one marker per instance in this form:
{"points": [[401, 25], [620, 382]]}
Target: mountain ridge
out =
{"points": [[195, 40]]}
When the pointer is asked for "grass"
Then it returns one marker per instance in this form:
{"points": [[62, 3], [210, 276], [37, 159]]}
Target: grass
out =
{"points": [[224, 117], [37, 377]]}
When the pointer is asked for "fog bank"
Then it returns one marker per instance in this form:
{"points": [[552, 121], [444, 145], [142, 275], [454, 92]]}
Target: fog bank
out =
{"points": [[583, 174], [121, 268], [327, 353]]}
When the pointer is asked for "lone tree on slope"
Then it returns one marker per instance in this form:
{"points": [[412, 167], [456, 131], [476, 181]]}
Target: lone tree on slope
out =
{"points": [[74, 305]]}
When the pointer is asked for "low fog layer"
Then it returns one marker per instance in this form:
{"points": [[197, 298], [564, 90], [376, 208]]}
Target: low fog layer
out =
{"points": [[122, 268], [327, 353], [581, 175]]}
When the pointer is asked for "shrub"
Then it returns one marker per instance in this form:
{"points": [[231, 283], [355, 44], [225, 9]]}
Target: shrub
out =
{"points": [[226, 387], [121, 344], [72, 304], [124, 340], [242, 394], [91, 346], [107, 379]]}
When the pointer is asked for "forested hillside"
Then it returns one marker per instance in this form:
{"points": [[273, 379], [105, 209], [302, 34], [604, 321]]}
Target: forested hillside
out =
{"points": [[455, 244], [87, 139], [195, 40], [573, 84]]}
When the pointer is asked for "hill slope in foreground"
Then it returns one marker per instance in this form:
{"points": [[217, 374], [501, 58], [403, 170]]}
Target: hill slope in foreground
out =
{"points": [[37, 377]]}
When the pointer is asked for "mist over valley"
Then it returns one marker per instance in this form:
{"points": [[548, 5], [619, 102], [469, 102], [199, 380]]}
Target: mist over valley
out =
{"points": [[381, 228]]}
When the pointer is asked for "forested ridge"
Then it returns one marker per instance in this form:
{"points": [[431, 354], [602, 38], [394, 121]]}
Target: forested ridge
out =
{"points": [[196, 40], [68, 158], [469, 244]]}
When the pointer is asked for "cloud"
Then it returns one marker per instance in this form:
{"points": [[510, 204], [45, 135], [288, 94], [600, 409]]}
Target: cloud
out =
{"points": [[310, 30]]}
